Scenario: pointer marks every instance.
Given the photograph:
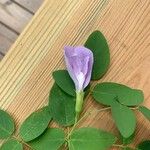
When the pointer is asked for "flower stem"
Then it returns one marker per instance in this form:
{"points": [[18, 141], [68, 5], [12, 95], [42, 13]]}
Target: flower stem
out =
{"points": [[79, 104]]}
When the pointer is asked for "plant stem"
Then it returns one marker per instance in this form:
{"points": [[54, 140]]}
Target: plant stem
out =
{"points": [[84, 116], [123, 146], [134, 108], [89, 113], [79, 104], [20, 140], [117, 145]]}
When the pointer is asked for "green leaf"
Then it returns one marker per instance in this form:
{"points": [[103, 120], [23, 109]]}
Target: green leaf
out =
{"points": [[145, 111], [145, 145], [124, 118], [129, 140], [62, 106], [52, 139], [11, 144], [107, 92], [35, 124], [132, 97], [98, 45], [64, 81], [91, 139], [7, 126]]}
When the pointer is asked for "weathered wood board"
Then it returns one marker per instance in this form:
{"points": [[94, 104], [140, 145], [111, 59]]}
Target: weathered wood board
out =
{"points": [[7, 38], [14, 15], [31, 5], [25, 72]]}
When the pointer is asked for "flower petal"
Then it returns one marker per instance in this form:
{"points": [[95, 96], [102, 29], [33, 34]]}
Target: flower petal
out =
{"points": [[79, 62]]}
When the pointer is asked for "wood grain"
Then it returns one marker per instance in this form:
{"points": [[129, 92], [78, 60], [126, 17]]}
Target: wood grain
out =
{"points": [[12, 22], [13, 15], [25, 72], [7, 38], [31, 5], [1, 56]]}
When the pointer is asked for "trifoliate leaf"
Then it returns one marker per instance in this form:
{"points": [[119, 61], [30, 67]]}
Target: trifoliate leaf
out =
{"points": [[98, 45], [35, 124], [11, 144], [107, 92], [62, 106], [7, 126], [124, 118], [91, 139], [52, 139]]}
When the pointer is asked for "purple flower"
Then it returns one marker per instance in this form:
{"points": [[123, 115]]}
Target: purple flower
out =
{"points": [[79, 62]]}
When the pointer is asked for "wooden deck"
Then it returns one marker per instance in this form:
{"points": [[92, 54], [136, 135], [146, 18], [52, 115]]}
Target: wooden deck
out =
{"points": [[14, 15], [25, 72]]}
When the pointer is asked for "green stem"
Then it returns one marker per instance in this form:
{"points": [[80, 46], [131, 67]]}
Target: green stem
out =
{"points": [[122, 146], [134, 108], [20, 140], [90, 113], [83, 117], [79, 104]]}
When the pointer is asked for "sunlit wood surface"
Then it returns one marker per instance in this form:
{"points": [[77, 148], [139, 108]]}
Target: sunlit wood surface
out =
{"points": [[25, 72]]}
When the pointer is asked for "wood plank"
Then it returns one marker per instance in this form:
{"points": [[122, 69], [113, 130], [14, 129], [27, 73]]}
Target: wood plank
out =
{"points": [[13, 15], [1, 56], [7, 38], [25, 71], [4, 45], [31, 5]]}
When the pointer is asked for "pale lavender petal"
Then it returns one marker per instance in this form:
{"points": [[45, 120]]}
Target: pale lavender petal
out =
{"points": [[89, 72], [69, 52], [79, 62], [85, 64]]}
